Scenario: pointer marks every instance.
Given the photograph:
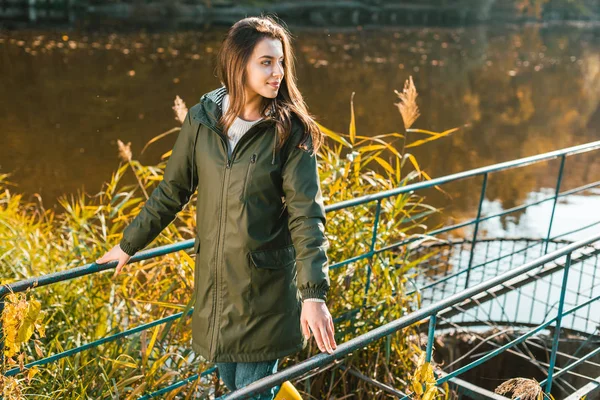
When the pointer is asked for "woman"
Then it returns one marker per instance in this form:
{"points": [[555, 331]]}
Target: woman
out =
{"points": [[261, 273]]}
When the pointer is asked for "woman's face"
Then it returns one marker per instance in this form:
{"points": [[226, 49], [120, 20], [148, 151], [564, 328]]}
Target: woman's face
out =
{"points": [[265, 67]]}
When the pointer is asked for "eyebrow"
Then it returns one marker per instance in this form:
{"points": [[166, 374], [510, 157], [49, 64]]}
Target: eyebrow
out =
{"points": [[266, 56]]}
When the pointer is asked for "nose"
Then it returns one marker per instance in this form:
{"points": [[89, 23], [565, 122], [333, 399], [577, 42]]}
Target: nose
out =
{"points": [[278, 71]]}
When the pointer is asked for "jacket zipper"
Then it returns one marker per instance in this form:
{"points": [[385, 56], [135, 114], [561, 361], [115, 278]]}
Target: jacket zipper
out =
{"points": [[224, 186], [250, 168], [219, 252]]}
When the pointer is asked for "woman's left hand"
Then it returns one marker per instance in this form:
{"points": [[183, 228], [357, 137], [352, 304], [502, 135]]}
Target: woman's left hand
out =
{"points": [[316, 316]]}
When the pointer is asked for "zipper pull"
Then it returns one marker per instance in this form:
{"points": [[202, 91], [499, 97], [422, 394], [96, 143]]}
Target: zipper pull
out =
{"points": [[228, 164], [253, 158]]}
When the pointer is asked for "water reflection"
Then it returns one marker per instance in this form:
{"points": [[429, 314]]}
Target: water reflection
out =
{"points": [[569, 220], [522, 90]]}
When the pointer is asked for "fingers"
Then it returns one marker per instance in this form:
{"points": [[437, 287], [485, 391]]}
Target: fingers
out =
{"points": [[324, 335], [305, 328], [119, 267], [331, 332], [317, 334], [317, 318], [102, 259], [108, 256], [115, 254], [327, 335], [325, 338]]}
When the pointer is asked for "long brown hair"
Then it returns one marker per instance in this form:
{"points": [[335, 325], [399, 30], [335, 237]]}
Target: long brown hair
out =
{"points": [[233, 56]]}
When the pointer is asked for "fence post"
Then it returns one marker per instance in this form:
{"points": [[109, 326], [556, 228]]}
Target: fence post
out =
{"points": [[556, 193], [430, 338], [372, 251], [474, 241], [388, 349], [561, 304]]}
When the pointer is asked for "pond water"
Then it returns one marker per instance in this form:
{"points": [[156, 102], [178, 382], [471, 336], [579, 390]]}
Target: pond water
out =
{"points": [[515, 90]]}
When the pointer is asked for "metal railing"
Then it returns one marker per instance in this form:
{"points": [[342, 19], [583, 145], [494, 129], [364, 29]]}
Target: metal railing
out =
{"points": [[433, 311], [363, 200]]}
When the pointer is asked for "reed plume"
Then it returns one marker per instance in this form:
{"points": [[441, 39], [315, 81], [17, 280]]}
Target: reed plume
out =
{"points": [[523, 388], [180, 109], [408, 103]]}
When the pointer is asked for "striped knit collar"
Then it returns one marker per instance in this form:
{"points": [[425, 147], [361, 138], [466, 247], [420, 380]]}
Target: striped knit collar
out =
{"points": [[211, 111], [218, 94]]}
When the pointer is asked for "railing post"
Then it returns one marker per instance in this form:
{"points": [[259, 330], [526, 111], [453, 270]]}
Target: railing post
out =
{"points": [[430, 338], [372, 250], [307, 385], [561, 304], [556, 193], [388, 349], [481, 198]]}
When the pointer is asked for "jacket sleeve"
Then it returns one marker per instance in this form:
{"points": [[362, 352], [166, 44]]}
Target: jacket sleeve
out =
{"points": [[168, 198], [301, 186]]}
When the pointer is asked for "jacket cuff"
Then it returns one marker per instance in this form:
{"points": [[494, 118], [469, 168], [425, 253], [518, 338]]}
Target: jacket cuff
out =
{"points": [[313, 293], [127, 247]]}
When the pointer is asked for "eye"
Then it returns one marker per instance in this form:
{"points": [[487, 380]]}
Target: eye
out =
{"points": [[268, 61]]}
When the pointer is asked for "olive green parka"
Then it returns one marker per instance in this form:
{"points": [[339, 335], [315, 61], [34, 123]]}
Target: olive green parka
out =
{"points": [[260, 235]]}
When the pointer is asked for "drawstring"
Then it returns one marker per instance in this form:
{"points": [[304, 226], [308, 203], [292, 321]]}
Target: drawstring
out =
{"points": [[194, 158], [270, 112], [274, 145]]}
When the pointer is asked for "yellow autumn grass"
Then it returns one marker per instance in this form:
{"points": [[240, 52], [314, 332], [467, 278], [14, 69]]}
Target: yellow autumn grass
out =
{"points": [[62, 316], [424, 383], [19, 319]]}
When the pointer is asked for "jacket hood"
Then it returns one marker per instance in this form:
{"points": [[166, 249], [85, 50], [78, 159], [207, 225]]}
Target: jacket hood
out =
{"points": [[211, 108]]}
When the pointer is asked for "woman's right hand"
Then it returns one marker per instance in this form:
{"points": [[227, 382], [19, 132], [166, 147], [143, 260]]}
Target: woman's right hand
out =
{"points": [[115, 254]]}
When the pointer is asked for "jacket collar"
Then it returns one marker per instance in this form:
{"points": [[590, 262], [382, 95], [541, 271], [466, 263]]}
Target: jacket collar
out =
{"points": [[211, 108]]}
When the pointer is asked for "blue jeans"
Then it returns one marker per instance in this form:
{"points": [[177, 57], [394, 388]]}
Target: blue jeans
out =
{"points": [[236, 375]]}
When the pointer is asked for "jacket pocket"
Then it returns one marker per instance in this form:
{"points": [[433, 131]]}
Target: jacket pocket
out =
{"points": [[248, 175], [273, 288], [274, 258]]}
